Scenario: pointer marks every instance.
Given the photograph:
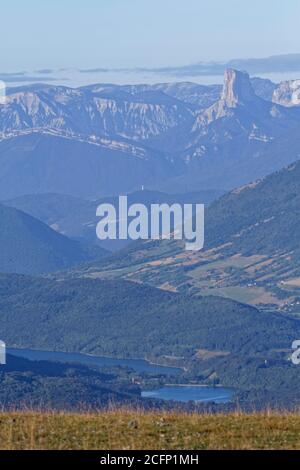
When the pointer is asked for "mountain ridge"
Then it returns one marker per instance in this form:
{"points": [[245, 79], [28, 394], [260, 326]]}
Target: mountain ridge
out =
{"points": [[166, 137]]}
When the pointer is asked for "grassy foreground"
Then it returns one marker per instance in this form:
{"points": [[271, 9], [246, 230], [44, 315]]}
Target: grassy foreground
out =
{"points": [[133, 430]]}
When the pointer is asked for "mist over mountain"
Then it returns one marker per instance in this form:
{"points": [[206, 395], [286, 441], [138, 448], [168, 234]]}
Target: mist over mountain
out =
{"points": [[274, 67], [275, 64]]}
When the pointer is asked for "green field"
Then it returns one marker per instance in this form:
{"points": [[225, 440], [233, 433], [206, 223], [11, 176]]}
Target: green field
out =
{"points": [[126, 430]]}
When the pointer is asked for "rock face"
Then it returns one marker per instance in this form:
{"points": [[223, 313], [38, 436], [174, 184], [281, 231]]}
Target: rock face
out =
{"points": [[240, 138], [263, 87], [287, 93], [237, 88], [245, 110], [101, 111], [237, 93]]}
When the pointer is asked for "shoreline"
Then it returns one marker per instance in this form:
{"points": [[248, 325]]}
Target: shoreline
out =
{"points": [[145, 360]]}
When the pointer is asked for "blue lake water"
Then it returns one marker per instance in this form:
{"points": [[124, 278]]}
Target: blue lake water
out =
{"points": [[136, 364], [191, 393], [174, 392]]}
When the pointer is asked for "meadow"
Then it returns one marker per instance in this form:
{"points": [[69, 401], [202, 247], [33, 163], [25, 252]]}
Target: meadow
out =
{"points": [[135, 430]]}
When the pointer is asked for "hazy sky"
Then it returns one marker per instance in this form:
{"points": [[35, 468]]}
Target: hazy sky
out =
{"points": [[38, 34]]}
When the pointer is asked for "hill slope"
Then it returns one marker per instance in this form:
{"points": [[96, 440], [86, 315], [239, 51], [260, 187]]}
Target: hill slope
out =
{"points": [[29, 246], [251, 248], [124, 319], [33, 162], [48, 385], [215, 340]]}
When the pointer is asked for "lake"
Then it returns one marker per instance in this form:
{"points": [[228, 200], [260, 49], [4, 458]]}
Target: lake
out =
{"points": [[174, 392], [194, 393], [138, 365]]}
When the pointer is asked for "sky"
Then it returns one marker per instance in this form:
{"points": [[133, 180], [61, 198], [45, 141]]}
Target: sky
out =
{"points": [[36, 34]]}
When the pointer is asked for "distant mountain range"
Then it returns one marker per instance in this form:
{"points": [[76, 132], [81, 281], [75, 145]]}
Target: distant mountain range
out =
{"points": [[102, 140], [273, 64], [276, 64], [31, 247]]}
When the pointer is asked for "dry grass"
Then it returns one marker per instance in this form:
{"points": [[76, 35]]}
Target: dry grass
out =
{"points": [[127, 430]]}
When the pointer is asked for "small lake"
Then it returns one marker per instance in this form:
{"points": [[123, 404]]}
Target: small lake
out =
{"points": [[194, 393], [138, 365], [184, 393]]}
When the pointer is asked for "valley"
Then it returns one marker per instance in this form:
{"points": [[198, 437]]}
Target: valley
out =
{"points": [[149, 231], [222, 318], [214, 341], [251, 249]]}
